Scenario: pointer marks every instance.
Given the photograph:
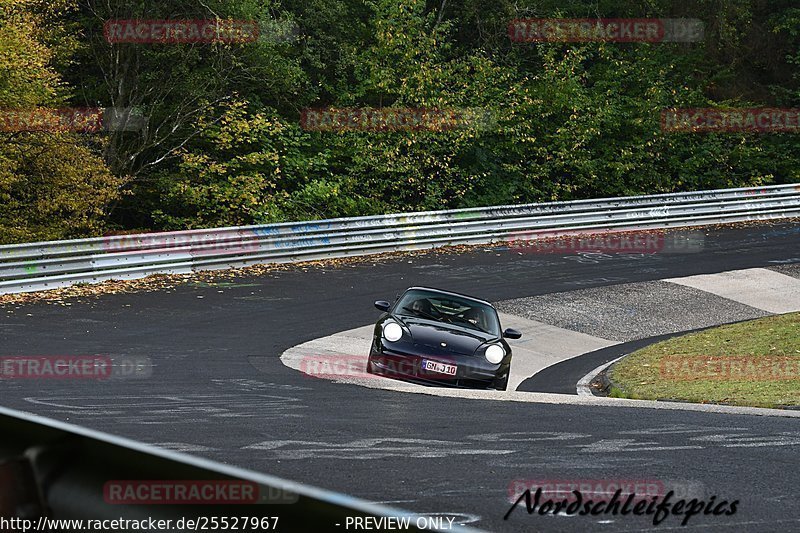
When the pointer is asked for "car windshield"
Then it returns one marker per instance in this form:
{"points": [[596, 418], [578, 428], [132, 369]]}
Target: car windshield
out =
{"points": [[449, 309]]}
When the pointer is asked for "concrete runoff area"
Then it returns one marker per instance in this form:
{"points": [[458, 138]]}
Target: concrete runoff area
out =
{"points": [[761, 288], [541, 345]]}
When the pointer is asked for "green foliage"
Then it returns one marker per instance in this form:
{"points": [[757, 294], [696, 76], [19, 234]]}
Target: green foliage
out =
{"points": [[224, 144], [244, 168], [52, 185], [749, 363]]}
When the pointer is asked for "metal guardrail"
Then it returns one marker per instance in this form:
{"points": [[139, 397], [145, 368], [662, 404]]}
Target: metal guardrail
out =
{"points": [[51, 470], [47, 265]]}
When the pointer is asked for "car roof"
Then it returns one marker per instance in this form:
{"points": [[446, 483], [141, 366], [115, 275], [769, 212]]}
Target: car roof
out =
{"points": [[450, 293]]}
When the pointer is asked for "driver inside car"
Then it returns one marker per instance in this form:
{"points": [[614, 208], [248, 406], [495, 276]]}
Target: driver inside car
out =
{"points": [[476, 316], [423, 306]]}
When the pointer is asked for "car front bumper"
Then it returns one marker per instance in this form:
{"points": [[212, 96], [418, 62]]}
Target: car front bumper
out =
{"points": [[471, 371]]}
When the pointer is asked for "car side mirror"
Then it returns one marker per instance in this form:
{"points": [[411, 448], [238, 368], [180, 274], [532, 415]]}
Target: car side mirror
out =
{"points": [[383, 305], [512, 334]]}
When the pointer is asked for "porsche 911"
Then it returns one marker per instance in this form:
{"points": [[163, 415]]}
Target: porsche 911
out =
{"points": [[437, 337]]}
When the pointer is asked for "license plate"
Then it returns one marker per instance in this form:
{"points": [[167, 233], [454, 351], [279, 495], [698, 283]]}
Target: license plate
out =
{"points": [[441, 368]]}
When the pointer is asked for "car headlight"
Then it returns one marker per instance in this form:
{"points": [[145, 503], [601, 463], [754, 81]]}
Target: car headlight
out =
{"points": [[495, 353], [392, 331]]}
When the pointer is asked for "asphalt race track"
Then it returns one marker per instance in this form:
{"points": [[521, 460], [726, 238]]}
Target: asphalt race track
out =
{"points": [[218, 390]]}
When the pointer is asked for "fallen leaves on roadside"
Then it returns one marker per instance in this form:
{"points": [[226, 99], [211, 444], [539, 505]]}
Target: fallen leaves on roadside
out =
{"points": [[158, 282]]}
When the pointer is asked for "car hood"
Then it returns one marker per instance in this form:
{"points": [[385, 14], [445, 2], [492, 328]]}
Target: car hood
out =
{"points": [[432, 334]]}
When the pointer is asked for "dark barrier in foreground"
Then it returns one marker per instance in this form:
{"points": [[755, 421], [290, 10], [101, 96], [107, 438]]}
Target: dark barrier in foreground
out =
{"points": [[52, 473]]}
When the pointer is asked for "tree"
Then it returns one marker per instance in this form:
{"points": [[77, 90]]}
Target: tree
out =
{"points": [[52, 184]]}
